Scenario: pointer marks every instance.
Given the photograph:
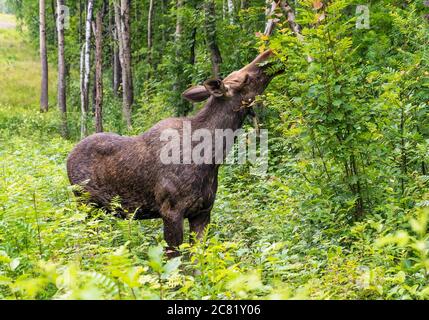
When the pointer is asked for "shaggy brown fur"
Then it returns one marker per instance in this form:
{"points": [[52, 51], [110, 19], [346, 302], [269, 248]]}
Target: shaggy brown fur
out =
{"points": [[108, 165]]}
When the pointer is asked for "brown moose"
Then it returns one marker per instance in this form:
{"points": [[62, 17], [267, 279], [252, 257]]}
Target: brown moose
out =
{"points": [[108, 165]]}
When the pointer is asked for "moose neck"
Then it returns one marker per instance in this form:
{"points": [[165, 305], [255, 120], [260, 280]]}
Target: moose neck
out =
{"points": [[220, 113]]}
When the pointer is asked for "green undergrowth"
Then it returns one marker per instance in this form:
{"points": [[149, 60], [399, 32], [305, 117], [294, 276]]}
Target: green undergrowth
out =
{"points": [[260, 245]]}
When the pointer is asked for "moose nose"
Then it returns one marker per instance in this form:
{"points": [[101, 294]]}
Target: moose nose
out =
{"points": [[254, 65], [262, 57]]}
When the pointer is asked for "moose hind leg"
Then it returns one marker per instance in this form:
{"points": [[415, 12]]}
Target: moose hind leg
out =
{"points": [[173, 233], [198, 224]]}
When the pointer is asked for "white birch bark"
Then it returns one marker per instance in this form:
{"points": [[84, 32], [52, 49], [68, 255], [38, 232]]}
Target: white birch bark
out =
{"points": [[61, 70], [86, 70], [231, 11]]}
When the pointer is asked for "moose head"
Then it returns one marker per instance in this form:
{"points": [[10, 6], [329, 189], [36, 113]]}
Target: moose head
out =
{"points": [[246, 83]]}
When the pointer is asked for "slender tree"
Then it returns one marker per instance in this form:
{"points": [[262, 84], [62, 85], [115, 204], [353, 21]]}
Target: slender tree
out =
{"points": [[150, 31], [244, 4], [54, 16], [231, 11], [210, 26], [116, 64], [178, 33], [182, 107], [269, 12], [118, 38], [61, 69], [127, 80], [81, 9], [85, 70], [98, 72], [43, 57]]}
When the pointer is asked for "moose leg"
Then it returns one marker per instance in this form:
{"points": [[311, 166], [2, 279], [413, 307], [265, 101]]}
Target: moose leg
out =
{"points": [[198, 224], [173, 233]]}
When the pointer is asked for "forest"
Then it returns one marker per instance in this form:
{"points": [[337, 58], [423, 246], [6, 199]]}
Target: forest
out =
{"points": [[343, 209]]}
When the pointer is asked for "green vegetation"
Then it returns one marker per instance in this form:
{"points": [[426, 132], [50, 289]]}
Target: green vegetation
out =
{"points": [[342, 214]]}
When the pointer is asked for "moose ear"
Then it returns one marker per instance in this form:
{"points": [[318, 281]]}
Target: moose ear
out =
{"points": [[196, 94], [215, 87]]}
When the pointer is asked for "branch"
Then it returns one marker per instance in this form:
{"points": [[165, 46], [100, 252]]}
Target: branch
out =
{"points": [[269, 27], [290, 14], [295, 27]]}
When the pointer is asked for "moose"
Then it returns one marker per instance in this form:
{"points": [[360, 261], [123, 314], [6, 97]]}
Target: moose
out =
{"points": [[108, 165]]}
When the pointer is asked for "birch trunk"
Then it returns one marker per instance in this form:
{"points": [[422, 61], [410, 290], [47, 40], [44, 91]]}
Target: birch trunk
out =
{"points": [[149, 31], [178, 33], [231, 11], [61, 71], [84, 98], [43, 57]]}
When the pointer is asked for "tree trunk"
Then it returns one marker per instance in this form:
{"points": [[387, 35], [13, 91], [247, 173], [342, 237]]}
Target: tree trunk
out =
{"points": [[61, 71], [54, 16], [81, 8], [127, 83], [149, 32], [271, 6], [244, 4], [82, 71], [93, 84], [210, 21], [164, 5], [119, 39], [182, 107], [84, 95], [43, 57], [178, 33], [116, 64], [193, 44], [231, 11], [98, 73]]}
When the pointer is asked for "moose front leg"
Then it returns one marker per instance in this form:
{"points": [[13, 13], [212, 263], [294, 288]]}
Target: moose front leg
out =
{"points": [[173, 233], [198, 224]]}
